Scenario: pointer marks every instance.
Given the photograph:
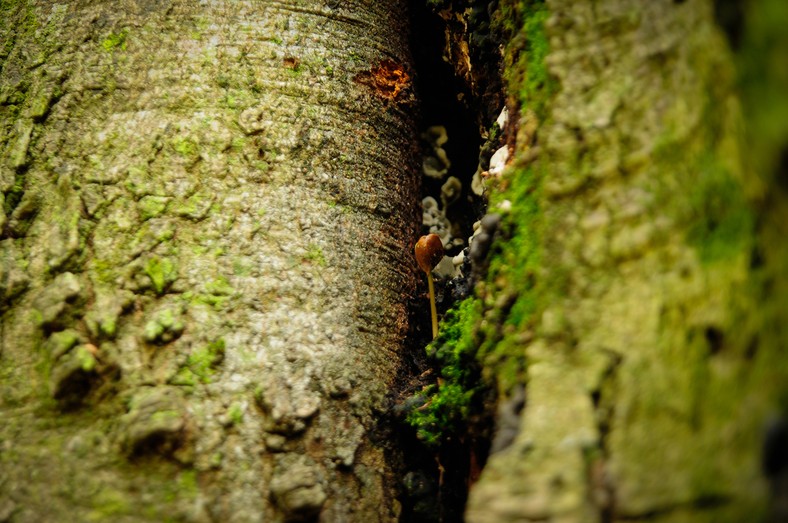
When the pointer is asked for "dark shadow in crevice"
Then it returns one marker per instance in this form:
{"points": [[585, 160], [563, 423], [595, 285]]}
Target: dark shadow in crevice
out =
{"points": [[435, 481], [446, 101]]}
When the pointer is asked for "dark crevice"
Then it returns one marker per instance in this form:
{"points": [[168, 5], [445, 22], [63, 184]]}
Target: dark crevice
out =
{"points": [[446, 101], [752, 349], [781, 173], [774, 464], [436, 478], [14, 196], [603, 489], [715, 339], [730, 16]]}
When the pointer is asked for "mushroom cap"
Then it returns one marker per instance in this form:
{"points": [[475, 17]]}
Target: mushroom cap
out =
{"points": [[429, 251]]}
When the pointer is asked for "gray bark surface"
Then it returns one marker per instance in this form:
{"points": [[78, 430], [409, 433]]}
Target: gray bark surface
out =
{"points": [[205, 258]]}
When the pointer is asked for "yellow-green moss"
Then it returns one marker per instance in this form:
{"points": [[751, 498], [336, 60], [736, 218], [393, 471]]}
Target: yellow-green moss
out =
{"points": [[721, 222], [526, 75], [108, 504], [316, 256], [512, 292], [512, 277], [235, 413], [445, 405], [162, 273], [185, 146], [115, 41], [201, 364], [220, 287]]}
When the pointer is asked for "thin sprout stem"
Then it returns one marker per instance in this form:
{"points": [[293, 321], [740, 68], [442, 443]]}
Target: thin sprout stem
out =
{"points": [[433, 310]]}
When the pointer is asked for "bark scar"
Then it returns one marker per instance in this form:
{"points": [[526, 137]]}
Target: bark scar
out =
{"points": [[387, 80]]}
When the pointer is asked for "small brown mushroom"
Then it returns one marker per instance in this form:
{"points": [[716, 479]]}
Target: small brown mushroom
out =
{"points": [[429, 252]]}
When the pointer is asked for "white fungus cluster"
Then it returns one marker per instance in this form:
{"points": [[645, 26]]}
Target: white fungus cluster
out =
{"points": [[498, 160], [436, 165]]}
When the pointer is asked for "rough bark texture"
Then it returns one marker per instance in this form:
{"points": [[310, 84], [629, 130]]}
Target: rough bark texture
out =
{"points": [[652, 346], [208, 212]]}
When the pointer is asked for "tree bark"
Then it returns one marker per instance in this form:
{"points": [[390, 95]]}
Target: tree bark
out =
{"points": [[208, 215], [654, 355]]}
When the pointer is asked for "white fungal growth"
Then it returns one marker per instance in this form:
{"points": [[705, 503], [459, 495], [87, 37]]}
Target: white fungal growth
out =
{"points": [[445, 269], [434, 218], [503, 118], [498, 161], [450, 191], [436, 164]]}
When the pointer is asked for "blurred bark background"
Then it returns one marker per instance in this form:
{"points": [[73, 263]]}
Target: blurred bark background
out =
{"points": [[648, 198]]}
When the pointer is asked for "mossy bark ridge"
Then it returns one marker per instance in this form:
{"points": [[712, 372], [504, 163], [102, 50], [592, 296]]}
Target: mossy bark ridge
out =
{"points": [[641, 322], [207, 217]]}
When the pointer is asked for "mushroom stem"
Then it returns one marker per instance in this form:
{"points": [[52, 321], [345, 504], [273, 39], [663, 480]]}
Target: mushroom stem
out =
{"points": [[429, 252], [433, 310]]}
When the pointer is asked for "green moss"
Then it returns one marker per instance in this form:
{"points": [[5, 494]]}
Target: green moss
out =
{"points": [[446, 405], [115, 41], [152, 206], [108, 504], [711, 200], [217, 293], [86, 359], [164, 416], [514, 292], [295, 71], [235, 413], [185, 146], [109, 327], [196, 207], [166, 326], [187, 484], [14, 196], [184, 378], [315, 255], [479, 341], [104, 269], [238, 143], [40, 105], [526, 72], [220, 287], [217, 302], [721, 222], [162, 273], [61, 342], [261, 166], [230, 101], [20, 15], [201, 364]]}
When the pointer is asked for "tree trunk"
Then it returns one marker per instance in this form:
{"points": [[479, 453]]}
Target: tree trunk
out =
{"points": [[208, 215], [208, 210], [644, 329]]}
